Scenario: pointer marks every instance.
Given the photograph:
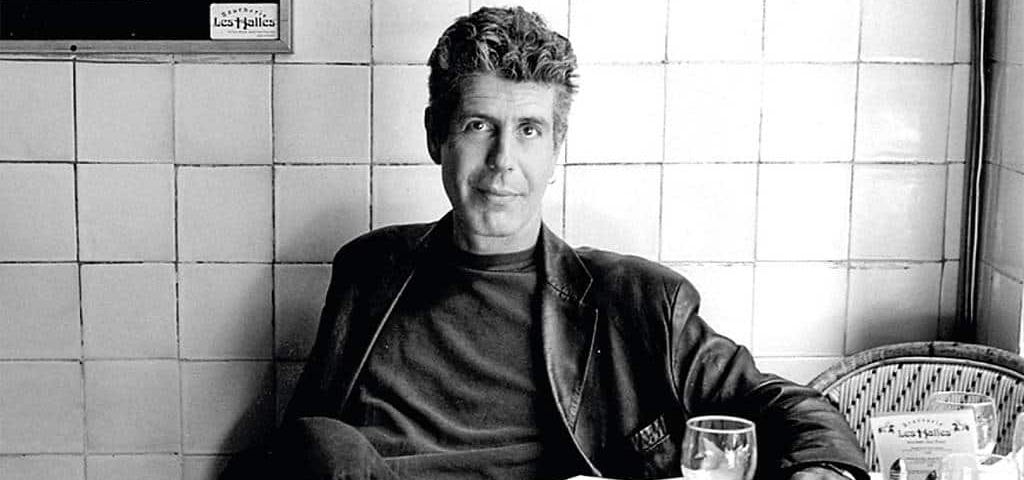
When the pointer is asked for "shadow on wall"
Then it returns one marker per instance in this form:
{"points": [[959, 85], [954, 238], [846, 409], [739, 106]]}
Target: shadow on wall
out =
{"points": [[299, 292]]}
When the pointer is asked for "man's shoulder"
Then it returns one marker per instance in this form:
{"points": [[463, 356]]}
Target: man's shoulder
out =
{"points": [[614, 271], [387, 241]]}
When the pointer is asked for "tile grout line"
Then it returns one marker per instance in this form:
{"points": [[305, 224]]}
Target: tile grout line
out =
{"points": [[660, 241], [853, 163], [372, 164], [177, 268], [751, 322], [946, 191], [273, 252], [78, 265]]}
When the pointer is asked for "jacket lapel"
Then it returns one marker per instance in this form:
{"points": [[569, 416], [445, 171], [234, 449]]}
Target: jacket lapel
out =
{"points": [[568, 329], [381, 298]]}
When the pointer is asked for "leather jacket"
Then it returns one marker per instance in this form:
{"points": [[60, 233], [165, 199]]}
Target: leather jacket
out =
{"points": [[627, 359]]}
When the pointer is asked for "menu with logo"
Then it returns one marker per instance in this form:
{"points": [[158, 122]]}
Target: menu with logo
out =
{"points": [[921, 439]]}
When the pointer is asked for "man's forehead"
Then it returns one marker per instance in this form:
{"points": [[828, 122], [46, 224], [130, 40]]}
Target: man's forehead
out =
{"points": [[491, 94]]}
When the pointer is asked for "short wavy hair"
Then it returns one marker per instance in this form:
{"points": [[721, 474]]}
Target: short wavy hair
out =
{"points": [[511, 43]]}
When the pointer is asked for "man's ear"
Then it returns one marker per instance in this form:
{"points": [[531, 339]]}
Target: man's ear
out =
{"points": [[433, 144]]}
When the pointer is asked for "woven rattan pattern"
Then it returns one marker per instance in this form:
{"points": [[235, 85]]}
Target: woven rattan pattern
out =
{"points": [[876, 384]]}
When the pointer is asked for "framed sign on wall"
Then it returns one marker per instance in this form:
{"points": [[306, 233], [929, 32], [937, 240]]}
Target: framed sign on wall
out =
{"points": [[145, 26]]}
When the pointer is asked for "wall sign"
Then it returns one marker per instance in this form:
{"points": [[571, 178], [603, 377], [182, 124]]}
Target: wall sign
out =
{"points": [[143, 26]]}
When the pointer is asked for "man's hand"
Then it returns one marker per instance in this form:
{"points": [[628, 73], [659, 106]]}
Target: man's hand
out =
{"points": [[817, 473]]}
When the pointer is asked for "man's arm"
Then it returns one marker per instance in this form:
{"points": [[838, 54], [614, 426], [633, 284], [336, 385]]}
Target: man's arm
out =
{"points": [[798, 430]]}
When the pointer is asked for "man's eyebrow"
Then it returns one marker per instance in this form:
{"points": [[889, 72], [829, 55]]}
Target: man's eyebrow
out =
{"points": [[464, 114], [534, 120]]}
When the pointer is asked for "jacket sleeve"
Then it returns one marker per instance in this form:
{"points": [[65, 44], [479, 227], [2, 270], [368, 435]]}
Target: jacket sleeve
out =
{"points": [[313, 395], [796, 426]]}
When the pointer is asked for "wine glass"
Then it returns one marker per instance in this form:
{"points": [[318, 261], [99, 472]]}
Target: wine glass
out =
{"points": [[983, 406], [719, 447], [970, 466]]}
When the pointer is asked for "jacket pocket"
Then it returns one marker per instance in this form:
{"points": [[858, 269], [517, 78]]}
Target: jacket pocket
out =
{"points": [[657, 450]]}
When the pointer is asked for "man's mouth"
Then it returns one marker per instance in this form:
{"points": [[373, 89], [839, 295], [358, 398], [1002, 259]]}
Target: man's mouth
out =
{"points": [[497, 192]]}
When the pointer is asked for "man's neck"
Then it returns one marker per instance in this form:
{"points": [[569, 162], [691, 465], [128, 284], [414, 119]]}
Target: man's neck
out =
{"points": [[491, 245]]}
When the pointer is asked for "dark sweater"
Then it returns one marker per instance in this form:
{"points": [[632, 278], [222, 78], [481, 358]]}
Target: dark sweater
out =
{"points": [[450, 390]]}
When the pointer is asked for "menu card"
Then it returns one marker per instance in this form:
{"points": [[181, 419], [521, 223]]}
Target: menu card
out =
{"points": [[921, 439]]}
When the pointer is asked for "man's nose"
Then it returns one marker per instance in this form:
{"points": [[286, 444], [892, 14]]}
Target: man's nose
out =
{"points": [[502, 155]]}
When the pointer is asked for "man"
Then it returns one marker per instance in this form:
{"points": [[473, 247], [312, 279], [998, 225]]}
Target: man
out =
{"points": [[483, 346]]}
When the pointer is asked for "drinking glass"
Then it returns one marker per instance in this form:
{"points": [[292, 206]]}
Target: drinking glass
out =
{"points": [[719, 447], [969, 466], [983, 406]]}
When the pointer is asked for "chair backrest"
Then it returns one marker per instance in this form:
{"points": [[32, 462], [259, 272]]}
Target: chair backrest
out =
{"points": [[898, 378]]}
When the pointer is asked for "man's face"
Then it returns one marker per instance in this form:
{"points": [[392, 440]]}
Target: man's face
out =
{"points": [[496, 162]]}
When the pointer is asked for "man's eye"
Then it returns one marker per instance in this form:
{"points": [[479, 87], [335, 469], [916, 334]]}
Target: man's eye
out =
{"points": [[477, 126], [529, 131]]}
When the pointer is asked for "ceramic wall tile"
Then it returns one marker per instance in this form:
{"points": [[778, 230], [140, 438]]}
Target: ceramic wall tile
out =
{"points": [[319, 209], [808, 112], [133, 467], [407, 194], [226, 311], [321, 114], [40, 311], [34, 423], [639, 31], [959, 98], [37, 120], [892, 303], [610, 127], [228, 406], [910, 31], [948, 301], [712, 113], [404, 32], [903, 113], [727, 30], [708, 212], [34, 467], [898, 212], [964, 31], [809, 298], [224, 214], [130, 311], [726, 292], [37, 210], [1007, 232], [125, 112], [954, 211], [126, 212], [330, 31], [299, 294], [803, 212], [399, 96], [1000, 325], [614, 207], [222, 114], [811, 30], [132, 406]]}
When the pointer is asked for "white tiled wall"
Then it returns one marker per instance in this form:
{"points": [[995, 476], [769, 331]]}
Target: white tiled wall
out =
{"points": [[1001, 311], [167, 221]]}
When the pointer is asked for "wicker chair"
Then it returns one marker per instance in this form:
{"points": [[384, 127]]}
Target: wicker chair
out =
{"points": [[898, 378]]}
